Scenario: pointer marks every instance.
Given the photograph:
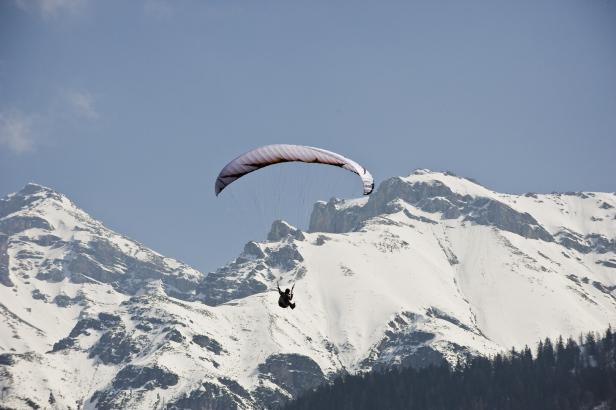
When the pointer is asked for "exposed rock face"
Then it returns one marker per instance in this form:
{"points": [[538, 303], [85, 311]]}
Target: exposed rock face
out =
{"points": [[253, 250], [213, 397], [208, 343], [29, 195], [17, 224], [325, 217], [89, 253], [484, 211], [133, 378], [434, 197], [285, 257], [90, 261], [252, 270], [112, 347], [235, 281], [586, 243], [293, 372], [5, 278], [404, 345], [38, 295], [62, 300], [115, 346], [6, 359], [610, 264], [281, 230]]}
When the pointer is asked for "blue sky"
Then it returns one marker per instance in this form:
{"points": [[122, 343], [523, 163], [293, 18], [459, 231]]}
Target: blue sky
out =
{"points": [[131, 108]]}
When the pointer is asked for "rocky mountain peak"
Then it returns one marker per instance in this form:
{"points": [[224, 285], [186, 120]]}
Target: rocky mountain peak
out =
{"points": [[440, 193], [53, 240], [431, 191], [32, 188], [282, 229], [29, 197]]}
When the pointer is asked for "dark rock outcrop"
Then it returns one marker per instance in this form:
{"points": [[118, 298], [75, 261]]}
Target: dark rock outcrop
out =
{"points": [[252, 249], [294, 373], [404, 345], [100, 260], [133, 377], [63, 344], [326, 217], [5, 278], [129, 379], [285, 257], [19, 223], [175, 336], [247, 275], [609, 264], [229, 283], [37, 294], [63, 300], [30, 194], [114, 346], [281, 230], [47, 240], [6, 359], [208, 343], [586, 243], [227, 395]]}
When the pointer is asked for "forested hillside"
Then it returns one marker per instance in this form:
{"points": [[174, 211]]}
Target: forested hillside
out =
{"points": [[561, 374]]}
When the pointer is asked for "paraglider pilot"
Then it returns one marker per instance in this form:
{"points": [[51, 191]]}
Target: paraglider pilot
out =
{"points": [[284, 301]]}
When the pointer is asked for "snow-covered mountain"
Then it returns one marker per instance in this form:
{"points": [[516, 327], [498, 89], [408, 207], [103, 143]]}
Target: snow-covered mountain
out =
{"points": [[430, 267]]}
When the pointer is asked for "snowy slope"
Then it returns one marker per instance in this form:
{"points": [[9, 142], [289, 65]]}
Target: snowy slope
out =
{"points": [[430, 267]]}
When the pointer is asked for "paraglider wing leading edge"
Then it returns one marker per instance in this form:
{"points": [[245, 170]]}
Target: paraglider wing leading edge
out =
{"points": [[273, 154]]}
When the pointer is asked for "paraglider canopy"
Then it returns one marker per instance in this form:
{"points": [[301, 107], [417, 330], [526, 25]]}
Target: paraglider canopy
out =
{"points": [[273, 154]]}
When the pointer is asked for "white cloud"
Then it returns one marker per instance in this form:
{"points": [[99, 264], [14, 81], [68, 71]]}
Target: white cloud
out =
{"points": [[16, 132], [21, 132], [82, 103], [52, 8]]}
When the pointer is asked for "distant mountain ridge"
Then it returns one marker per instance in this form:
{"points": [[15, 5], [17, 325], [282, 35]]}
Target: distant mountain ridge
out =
{"points": [[430, 267]]}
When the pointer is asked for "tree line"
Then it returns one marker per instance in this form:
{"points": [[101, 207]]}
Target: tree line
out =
{"points": [[562, 374]]}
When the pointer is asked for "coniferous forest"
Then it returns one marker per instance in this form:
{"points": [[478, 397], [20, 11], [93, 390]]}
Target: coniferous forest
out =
{"points": [[561, 374]]}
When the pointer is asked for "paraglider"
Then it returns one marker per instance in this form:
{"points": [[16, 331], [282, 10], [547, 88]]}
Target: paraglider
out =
{"points": [[274, 154], [284, 301]]}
